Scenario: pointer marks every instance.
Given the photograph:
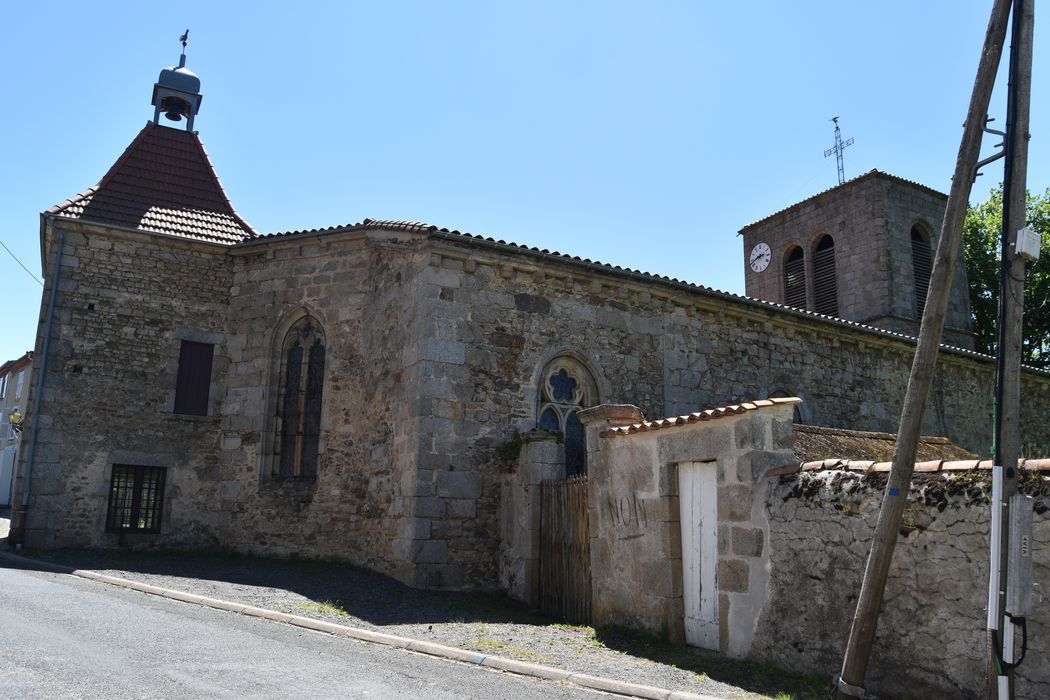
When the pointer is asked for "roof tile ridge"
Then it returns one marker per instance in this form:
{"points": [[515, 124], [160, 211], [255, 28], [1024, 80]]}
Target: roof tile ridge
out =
{"points": [[252, 233]]}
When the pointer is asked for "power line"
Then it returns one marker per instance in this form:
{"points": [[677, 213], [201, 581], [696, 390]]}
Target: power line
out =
{"points": [[28, 271]]}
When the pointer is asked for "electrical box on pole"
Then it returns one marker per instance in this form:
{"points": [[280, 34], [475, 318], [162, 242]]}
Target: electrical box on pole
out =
{"points": [[1019, 558], [1028, 244]]}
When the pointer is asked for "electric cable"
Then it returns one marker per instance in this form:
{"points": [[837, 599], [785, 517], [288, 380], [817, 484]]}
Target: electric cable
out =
{"points": [[35, 279]]}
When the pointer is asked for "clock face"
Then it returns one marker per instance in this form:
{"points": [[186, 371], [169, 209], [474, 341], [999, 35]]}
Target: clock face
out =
{"points": [[760, 257]]}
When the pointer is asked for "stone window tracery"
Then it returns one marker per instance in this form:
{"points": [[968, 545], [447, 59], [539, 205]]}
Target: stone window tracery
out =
{"points": [[298, 425], [566, 387]]}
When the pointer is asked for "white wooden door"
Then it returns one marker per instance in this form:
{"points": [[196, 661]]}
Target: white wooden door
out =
{"points": [[698, 501], [7, 469]]}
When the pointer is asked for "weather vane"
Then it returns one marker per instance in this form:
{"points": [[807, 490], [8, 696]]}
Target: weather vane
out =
{"points": [[184, 38], [837, 149]]}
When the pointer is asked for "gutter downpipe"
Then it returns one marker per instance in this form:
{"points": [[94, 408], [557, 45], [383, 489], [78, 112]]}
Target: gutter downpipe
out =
{"points": [[20, 528]]}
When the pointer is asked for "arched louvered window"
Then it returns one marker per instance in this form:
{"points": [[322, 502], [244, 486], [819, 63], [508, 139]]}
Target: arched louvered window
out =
{"points": [[825, 287], [795, 278], [566, 386], [297, 441], [922, 266]]}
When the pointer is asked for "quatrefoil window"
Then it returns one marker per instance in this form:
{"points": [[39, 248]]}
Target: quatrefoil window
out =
{"points": [[566, 387]]}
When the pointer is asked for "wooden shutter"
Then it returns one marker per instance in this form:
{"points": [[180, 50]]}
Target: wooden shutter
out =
{"points": [[825, 286], [194, 380], [922, 265], [795, 279]]}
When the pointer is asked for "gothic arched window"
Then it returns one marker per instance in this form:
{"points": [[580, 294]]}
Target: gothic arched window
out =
{"points": [[825, 286], [795, 279], [298, 435], [922, 265], [566, 387]]}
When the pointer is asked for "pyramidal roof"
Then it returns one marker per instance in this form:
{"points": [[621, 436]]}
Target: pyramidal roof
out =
{"points": [[163, 183]]}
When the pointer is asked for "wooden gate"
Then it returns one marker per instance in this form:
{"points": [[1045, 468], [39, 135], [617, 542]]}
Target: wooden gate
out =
{"points": [[565, 550]]}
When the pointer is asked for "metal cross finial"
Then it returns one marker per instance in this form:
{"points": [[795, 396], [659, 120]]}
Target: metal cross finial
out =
{"points": [[185, 36], [838, 148]]}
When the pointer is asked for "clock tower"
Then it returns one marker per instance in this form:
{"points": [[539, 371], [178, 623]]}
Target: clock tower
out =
{"points": [[861, 251]]}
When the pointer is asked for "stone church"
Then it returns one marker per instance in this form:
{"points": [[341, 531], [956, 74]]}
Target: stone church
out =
{"points": [[360, 391]]}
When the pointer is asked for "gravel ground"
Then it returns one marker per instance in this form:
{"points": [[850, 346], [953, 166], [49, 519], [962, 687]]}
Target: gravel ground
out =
{"points": [[485, 622]]}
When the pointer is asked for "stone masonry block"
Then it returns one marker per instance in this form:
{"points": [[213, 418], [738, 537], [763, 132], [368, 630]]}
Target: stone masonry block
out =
{"points": [[783, 435], [733, 575], [447, 351], [747, 541], [429, 551], [734, 503], [462, 508], [752, 466], [458, 484], [428, 507], [415, 528]]}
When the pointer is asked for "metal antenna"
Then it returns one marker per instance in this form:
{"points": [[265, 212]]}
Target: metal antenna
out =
{"points": [[837, 149]]}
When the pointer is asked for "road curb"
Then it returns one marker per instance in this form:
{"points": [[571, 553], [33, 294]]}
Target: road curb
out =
{"points": [[521, 668]]}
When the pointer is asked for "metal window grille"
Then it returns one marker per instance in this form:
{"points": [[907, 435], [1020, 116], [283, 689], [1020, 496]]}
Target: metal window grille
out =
{"points": [[136, 499], [825, 286], [922, 265]]}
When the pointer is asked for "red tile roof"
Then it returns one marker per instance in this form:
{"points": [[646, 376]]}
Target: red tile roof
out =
{"points": [[1041, 465], [164, 182], [709, 414]]}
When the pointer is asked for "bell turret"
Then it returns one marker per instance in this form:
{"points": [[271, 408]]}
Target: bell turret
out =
{"points": [[177, 92]]}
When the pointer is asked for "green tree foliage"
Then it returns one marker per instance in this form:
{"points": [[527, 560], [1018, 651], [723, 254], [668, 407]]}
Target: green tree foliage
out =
{"points": [[981, 248]]}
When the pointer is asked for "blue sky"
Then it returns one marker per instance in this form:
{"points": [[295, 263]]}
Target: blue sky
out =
{"points": [[639, 134]]}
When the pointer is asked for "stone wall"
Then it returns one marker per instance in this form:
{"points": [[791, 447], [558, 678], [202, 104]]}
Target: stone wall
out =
{"points": [[541, 457], [435, 343], [361, 507], [111, 370], [636, 528], [790, 552], [931, 631], [505, 313]]}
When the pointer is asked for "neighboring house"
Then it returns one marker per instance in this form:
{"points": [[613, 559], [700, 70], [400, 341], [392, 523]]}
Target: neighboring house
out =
{"points": [[355, 391], [14, 390]]}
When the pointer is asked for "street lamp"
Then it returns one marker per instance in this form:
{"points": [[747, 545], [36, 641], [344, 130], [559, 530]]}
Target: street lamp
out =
{"points": [[16, 420]]}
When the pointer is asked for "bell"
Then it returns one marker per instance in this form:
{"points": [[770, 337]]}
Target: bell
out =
{"points": [[174, 108]]}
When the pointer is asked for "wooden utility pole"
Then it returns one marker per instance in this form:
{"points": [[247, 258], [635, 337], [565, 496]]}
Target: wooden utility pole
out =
{"points": [[862, 633], [1011, 316]]}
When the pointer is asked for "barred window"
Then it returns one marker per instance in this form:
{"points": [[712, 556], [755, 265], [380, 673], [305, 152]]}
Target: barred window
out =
{"points": [[566, 387], [298, 436], [136, 499]]}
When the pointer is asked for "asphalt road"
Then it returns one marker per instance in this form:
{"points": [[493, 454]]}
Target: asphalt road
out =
{"points": [[62, 637]]}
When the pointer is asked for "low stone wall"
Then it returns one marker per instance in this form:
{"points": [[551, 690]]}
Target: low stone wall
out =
{"points": [[791, 550], [931, 631], [636, 524]]}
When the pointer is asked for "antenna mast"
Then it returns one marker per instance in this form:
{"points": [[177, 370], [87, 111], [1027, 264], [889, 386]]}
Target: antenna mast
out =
{"points": [[837, 149]]}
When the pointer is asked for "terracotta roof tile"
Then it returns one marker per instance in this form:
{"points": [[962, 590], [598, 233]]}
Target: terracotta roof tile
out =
{"points": [[705, 415], [163, 182], [1040, 465], [648, 277]]}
